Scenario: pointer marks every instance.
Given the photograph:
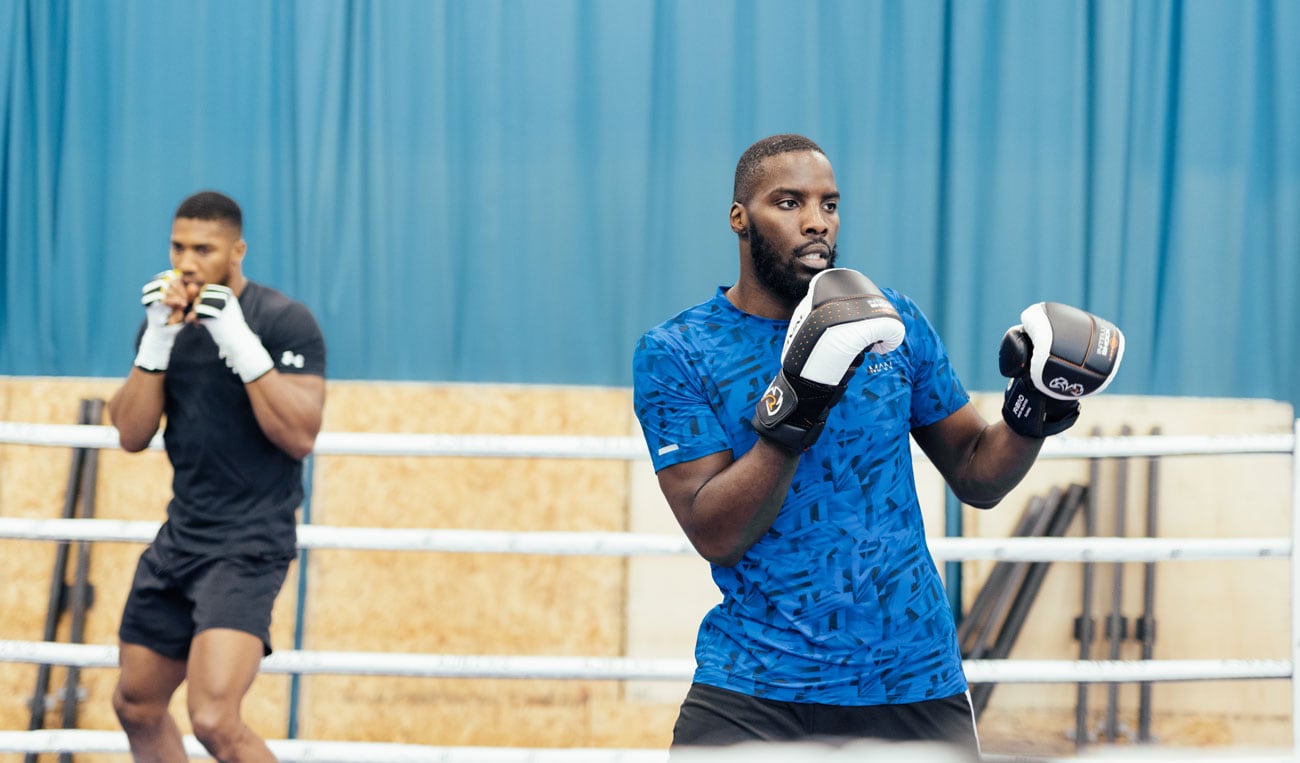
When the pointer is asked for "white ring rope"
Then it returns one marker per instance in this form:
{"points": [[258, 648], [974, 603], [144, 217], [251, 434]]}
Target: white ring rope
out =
{"points": [[308, 662], [303, 751], [1094, 549], [82, 741], [630, 448]]}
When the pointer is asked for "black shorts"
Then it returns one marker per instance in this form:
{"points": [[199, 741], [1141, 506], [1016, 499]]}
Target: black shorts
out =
{"points": [[175, 596], [711, 716]]}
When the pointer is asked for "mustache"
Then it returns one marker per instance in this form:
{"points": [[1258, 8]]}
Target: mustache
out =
{"points": [[799, 250]]}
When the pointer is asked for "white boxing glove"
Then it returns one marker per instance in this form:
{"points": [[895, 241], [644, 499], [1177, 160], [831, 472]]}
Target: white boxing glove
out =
{"points": [[1057, 355], [218, 311], [155, 351], [842, 317]]}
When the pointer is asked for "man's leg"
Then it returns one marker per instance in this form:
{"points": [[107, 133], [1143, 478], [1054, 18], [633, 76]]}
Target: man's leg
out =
{"points": [[223, 664], [145, 686]]}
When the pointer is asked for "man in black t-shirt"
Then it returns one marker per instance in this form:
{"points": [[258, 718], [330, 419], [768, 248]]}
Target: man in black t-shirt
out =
{"points": [[238, 369]]}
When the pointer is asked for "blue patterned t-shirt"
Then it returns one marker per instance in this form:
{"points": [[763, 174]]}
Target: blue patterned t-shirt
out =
{"points": [[840, 601]]}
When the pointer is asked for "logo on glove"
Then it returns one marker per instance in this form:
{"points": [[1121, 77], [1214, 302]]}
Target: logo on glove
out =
{"points": [[1063, 385], [1105, 341], [773, 398]]}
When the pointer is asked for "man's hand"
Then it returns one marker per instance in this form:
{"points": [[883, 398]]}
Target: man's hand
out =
{"points": [[1055, 356], [217, 309], [164, 300], [842, 317]]}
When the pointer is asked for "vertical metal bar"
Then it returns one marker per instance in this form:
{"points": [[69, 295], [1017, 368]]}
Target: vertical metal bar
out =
{"points": [[1147, 624], [1115, 621], [1086, 630], [300, 606], [1295, 586]]}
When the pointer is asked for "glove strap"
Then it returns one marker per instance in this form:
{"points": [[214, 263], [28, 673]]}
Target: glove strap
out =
{"points": [[1032, 414], [245, 354], [156, 344], [793, 412]]}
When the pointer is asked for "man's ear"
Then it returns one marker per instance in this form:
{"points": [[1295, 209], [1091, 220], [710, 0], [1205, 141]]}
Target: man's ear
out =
{"points": [[739, 219]]}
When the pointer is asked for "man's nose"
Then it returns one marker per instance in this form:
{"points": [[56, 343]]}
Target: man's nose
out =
{"points": [[816, 221], [183, 260]]}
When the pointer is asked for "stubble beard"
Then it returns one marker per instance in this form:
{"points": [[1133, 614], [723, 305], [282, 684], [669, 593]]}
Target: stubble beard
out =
{"points": [[782, 277]]}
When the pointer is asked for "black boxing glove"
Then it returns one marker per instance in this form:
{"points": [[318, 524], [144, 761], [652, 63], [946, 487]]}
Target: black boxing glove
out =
{"points": [[1055, 356], [842, 317]]}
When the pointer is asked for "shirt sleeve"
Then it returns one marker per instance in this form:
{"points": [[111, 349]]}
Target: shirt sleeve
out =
{"points": [[676, 415], [937, 392], [296, 344]]}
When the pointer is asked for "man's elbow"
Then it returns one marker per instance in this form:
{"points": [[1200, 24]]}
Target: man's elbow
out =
{"points": [[719, 553], [133, 443], [299, 445], [979, 499], [300, 450]]}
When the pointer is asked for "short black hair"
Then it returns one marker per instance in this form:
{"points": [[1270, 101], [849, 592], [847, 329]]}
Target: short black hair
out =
{"points": [[747, 169], [211, 205]]}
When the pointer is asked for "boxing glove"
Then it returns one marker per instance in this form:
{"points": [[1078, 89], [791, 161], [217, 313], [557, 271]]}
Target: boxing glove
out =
{"points": [[842, 317], [155, 350], [1057, 355], [219, 312]]}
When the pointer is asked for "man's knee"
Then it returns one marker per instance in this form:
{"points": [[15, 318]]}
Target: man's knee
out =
{"points": [[217, 727], [136, 714]]}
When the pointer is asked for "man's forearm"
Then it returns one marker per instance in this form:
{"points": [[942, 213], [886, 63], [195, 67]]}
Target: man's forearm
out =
{"points": [[136, 409]]}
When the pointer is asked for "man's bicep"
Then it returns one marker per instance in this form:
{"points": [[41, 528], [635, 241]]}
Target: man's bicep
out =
{"points": [[949, 441], [311, 387], [681, 482]]}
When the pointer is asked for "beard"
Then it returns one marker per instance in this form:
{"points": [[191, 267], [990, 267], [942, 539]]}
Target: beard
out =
{"points": [[783, 277]]}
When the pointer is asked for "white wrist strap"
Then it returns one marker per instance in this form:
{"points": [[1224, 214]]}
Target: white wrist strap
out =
{"points": [[245, 354], [156, 347]]}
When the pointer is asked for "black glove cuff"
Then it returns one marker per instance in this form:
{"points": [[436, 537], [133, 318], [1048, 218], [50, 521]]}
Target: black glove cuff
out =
{"points": [[1032, 414], [792, 412]]}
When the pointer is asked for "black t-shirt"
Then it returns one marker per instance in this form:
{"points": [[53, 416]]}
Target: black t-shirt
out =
{"points": [[234, 491]]}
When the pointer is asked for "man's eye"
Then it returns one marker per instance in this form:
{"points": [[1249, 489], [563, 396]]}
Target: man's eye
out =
{"points": [[832, 206], [787, 203]]}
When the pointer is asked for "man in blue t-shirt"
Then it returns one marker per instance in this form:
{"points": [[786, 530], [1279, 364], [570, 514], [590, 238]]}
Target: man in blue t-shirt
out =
{"points": [[237, 369], [778, 416]]}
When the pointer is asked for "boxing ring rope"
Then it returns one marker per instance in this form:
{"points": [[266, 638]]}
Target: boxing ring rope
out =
{"points": [[627, 448], [629, 544], [84, 741]]}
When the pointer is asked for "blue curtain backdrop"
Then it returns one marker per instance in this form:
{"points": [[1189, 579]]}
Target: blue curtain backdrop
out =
{"points": [[512, 190]]}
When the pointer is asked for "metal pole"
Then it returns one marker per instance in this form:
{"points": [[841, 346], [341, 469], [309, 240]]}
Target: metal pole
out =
{"points": [[1115, 624], [1087, 631], [1146, 627], [300, 606]]}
